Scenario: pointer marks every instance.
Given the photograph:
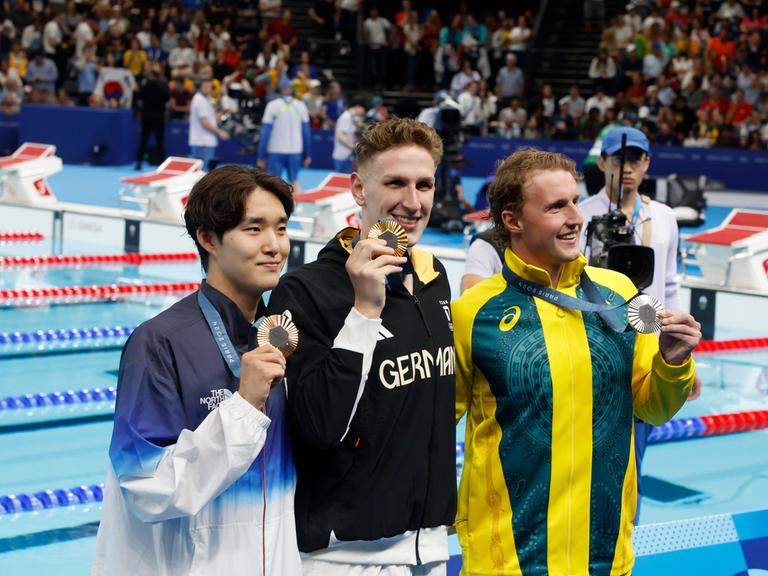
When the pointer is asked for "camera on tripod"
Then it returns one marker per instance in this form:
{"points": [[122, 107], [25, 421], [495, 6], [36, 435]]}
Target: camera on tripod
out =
{"points": [[447, 211], [242, 119]]}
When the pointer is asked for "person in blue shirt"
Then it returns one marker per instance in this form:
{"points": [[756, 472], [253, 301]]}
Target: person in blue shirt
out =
{"points": [[201, 477], [285, 142]]}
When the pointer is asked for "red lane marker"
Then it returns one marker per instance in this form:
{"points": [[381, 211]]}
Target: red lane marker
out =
{"points": [[129, 259]]}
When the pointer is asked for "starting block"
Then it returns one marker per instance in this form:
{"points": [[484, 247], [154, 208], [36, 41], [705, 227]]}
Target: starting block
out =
{"points": [[735, 254], [23, 174], [325, 210], [163, 193], [478, 221]]}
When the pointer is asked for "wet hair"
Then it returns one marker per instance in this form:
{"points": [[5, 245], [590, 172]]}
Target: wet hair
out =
{"points": [[217, 201], [506, 191], [397, 132]]}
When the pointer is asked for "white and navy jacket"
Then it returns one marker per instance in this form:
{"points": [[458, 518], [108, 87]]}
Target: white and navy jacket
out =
{"points": [[201, 482], [372, 406]]}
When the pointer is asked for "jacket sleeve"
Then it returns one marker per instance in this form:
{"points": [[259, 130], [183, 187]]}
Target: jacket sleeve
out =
{"points": [[327, 374], [462, 337], [659, 389], [164, 470]]}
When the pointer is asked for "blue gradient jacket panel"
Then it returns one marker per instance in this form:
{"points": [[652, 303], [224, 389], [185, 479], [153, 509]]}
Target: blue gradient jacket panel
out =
{"points": [[197, 472]]}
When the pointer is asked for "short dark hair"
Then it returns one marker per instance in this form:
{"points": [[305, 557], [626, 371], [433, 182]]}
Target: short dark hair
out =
{"points": [[217, 202]]}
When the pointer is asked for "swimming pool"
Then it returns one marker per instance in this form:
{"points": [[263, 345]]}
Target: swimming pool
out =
{"points": [[718, 483]]}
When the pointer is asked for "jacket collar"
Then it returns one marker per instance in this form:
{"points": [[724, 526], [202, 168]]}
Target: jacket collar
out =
{"points": [[570, 276], [238, 328]]}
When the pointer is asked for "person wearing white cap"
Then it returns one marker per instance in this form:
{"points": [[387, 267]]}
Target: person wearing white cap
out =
{"points": [[655, 226], [285, 136]]}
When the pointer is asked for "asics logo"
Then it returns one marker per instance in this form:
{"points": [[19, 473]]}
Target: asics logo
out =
{"points": [[509, 319]]}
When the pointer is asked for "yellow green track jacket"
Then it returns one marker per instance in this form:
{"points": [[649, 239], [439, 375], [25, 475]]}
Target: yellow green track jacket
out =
{"points": [[549, 483]]}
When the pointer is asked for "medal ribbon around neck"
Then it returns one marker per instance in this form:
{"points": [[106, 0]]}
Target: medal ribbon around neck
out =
{"points": [[639, 308]]}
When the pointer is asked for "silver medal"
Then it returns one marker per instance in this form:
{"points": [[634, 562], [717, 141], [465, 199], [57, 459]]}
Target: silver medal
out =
{"points": [[644, 314]]}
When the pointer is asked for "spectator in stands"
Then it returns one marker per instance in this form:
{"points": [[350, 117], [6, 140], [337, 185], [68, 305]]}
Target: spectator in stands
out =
{"points": [[470, 108], [267, 58], [87, 70], [713, 107], [376, 31], [520, 37], [145, 33], [512, 119], [170, 38], [305, 62], [32, 35], [563, 124], [602, 71], [473, 45], [118, 24], [654, 62], [348, 22], [635, 93], [590, 124], [11, 96], [720, 49], [574, 102], [463, 77], [285, 142], [8, 73], [346, 134], [155, 52], [135, 57], [547, 101], [181, 58], [20, 14], [284, 32], [204, 133], [42, 75], [601, 101], [488, 107], [510, 80], [412, 35], [654, 19], [731, 10], [739, 110]]}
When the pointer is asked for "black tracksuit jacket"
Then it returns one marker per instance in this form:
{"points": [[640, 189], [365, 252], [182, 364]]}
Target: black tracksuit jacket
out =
{"points": [[395, 468]]}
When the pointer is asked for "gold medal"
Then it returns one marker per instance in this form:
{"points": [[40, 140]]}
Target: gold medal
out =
{"points": [[279, 331], [392, 233], [644, 314]]}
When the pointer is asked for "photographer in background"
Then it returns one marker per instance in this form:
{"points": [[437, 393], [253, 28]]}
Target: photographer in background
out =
{"points": [[654, 226]]}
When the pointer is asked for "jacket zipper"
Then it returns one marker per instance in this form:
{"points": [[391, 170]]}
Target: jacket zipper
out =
{"points": [[417, 303]]}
